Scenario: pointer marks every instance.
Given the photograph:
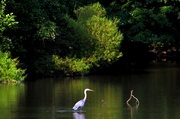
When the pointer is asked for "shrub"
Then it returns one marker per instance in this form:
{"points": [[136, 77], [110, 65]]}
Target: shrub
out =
{"points": [[95, 38], [72, 66], [9, 71]]}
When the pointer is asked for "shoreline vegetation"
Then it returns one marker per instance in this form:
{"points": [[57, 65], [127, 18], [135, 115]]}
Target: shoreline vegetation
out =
{"points": [[85, 37]]}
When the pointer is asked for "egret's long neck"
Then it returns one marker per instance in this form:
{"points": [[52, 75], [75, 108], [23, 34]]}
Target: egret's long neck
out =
{"points": [[85, 95]]}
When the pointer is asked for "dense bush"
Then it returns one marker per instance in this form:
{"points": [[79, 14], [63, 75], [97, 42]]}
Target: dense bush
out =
{"points": [[96, 41], [9, 71]]}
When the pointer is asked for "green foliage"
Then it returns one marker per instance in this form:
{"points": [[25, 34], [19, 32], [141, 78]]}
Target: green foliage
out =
{"points": [[72, 66], [85, 38], [6, 21], [47, 31], [86, 12], [38, 32], [107, 38], [149, 21], [37, 22], [96, 40], [9, 71], [8, 67]]}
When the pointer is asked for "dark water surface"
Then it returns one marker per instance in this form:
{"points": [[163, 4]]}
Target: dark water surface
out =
{"points": [[158, 90]]}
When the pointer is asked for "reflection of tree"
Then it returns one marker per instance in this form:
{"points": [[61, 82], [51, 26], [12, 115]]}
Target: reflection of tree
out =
{"points": [[10, 96], [78, 115], [134, 108]]}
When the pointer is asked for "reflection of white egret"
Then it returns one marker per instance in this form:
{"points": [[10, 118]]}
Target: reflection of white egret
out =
{"points": [[81, 103], [78, 116]]}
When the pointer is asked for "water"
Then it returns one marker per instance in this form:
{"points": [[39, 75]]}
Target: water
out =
{"points": [[156, 88]]}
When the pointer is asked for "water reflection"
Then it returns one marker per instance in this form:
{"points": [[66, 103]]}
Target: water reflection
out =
{"points": [[133, 109], [78, 115], [10, 98], [158, 92]]}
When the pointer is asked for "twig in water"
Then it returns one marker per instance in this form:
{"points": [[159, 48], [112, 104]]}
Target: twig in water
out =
{"points": [[131, 95]]}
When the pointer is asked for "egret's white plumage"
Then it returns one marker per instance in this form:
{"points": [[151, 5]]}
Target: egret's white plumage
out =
{"points": [[81, 102]]}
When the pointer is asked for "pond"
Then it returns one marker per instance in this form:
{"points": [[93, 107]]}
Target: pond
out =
{"points": [[157, 90]]}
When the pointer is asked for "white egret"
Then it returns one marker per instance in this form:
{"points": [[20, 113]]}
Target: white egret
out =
{"points": [[81, 102]]}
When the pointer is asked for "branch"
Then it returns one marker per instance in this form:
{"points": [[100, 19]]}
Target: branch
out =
{"points": [[131, 95]]}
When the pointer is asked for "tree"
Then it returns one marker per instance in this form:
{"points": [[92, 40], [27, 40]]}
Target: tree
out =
{"points": [[95, 41], [37, 35], [154, 23], [9, 68], [6, 21]]}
